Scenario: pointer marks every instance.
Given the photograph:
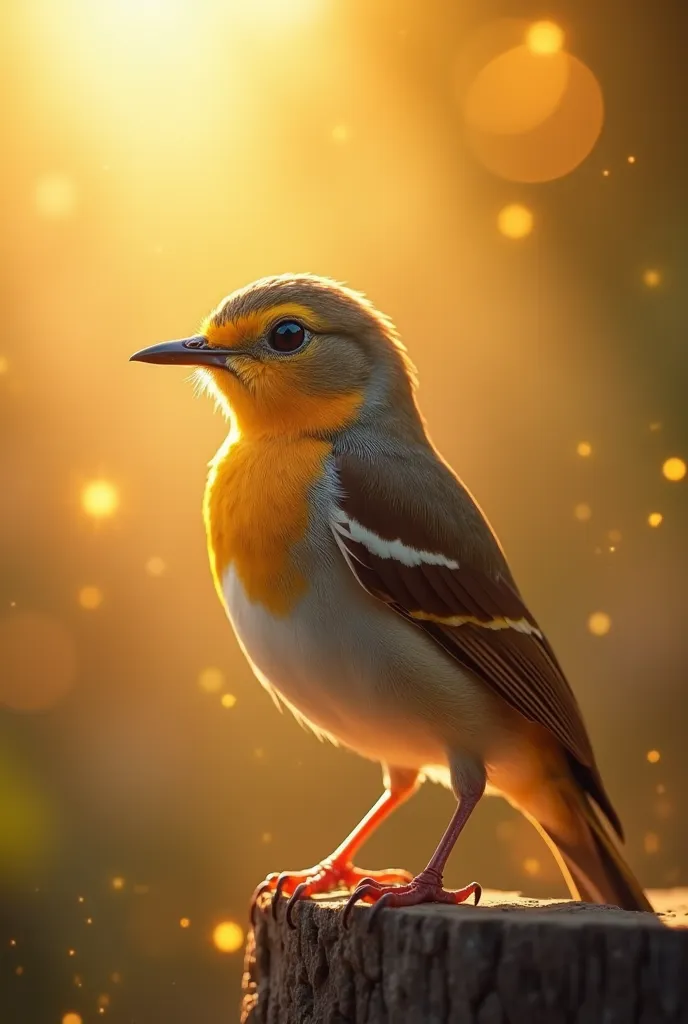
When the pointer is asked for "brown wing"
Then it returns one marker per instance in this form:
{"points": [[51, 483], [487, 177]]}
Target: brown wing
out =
{"points": [[419, 542]]}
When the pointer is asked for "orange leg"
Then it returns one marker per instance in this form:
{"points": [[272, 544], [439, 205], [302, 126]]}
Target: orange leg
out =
{"points": [[337, 871]]}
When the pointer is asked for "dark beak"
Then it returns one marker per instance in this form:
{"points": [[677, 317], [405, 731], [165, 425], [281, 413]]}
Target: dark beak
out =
{"points": [[185, 352]]}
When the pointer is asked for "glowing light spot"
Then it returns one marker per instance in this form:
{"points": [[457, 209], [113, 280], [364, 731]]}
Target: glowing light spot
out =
{"points": [[13, 942], [515, 93], [653, 756], [515, 221], [4, 365], [651, 842], [71, 952], [80, 899], [614, 536], [228, 937], [19, 971], [90, 597], [99, 499], [605, 173], [631, 159], [652, 278], [655, 518], [103, 1001], [117, 883], [211, 680], [599, 623], [71, 1018], [531, 866], [55, 196], [584, 449], [78, 981], [341, 133], [115, 977], [184, 922], [155, 566], [544, 37], [582, 512], [228, 700], [660, 789], [37, 662], [259, 753], [654, 427], [674, 469], [266, 837]]}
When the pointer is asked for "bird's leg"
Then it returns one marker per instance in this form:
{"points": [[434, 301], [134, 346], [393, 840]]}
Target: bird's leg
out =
{"points": [[468, 780], [337, 871]]}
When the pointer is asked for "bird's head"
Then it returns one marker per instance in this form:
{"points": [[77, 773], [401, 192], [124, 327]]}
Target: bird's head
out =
{"points": [[297, 354]]}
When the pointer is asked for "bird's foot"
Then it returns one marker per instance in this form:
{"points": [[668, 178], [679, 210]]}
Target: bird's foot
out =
{"points": [[329, 876], [424, 888]]}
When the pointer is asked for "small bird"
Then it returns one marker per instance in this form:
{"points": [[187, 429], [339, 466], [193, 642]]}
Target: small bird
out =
{"points": [[372, 598]]}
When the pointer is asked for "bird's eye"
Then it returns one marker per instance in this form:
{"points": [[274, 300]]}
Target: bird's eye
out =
{"points": [[287, 336]]}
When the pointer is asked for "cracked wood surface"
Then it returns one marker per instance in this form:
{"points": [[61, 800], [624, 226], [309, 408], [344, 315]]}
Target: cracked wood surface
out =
{"points": [[510, 961]]}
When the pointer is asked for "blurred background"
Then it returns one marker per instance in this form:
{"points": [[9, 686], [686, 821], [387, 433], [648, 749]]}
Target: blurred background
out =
{"points": [[507, 181]]}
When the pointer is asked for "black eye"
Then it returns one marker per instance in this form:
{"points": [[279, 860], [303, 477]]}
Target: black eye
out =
{"points": [[287, 336]]}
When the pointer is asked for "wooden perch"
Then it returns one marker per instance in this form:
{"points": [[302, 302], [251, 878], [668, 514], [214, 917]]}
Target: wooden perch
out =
{"points": [[510, 961]]}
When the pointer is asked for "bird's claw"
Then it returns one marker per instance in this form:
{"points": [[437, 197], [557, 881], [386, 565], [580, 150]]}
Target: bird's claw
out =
{"points": [[326, 877], [425, 888]]}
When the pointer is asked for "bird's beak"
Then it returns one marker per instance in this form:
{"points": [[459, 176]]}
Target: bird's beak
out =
{"points": [[193, 351]]}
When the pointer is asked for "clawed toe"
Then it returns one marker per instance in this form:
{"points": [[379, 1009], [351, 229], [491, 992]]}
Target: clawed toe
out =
{"points": [[422, 889]]}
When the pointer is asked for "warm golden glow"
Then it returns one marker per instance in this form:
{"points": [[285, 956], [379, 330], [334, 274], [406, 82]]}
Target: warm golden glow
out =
{"points": [[674, 469], [599, 623], [631, 159], [4, 365], [228, 937], [103, 1001], [652, 278], [117, 883], [515, 221], [651, 842], [544, 37], [71, 1018], [99, 499], [582, 512], [211, 680], [184, 922], [228, 700], [55, 196], [155, 566], [90, 597], [653, 756], [614, 536], [584, 449], [655, 518], [341, 133], [516, 92], [532, 866]]}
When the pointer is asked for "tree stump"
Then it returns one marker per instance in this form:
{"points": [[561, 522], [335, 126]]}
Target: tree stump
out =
{"points": [[509, 961]]}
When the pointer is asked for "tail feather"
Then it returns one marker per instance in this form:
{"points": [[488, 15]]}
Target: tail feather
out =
{"points": [[591, 862]]}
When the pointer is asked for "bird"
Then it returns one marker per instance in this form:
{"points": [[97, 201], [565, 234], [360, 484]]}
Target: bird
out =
{"points": [[372, 598]]}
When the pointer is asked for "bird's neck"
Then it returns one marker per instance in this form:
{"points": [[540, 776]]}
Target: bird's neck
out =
{"points": [[256, 511]]}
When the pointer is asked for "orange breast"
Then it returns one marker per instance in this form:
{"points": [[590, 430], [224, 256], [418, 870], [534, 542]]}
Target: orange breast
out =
{"points": [[256, 510]]}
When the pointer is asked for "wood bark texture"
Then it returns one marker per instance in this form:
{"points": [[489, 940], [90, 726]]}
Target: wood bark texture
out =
{"points": [[510, 961]]}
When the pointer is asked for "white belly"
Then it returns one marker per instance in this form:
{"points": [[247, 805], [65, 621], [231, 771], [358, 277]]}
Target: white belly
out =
{"points": [[357, 673]]}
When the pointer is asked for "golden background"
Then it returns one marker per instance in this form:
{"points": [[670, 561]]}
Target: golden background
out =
{"points": [[513, 194]]}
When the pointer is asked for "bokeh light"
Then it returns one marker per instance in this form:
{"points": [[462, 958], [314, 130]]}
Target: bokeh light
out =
{"points": [[156, 566], [532, 866], [651, 842], [515, 221], [211, 680], [37, 662], [4, 365], [599, 623], [653, 756], [228, 937], [652, 278], [582, 512], [228, 700], [516, 92], [117, 883], [99, 499], [90, 597], [184, 922], [55, 196], [584, 449], [545, 37], [72, 1018], [655, 518], [674, 469]]}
